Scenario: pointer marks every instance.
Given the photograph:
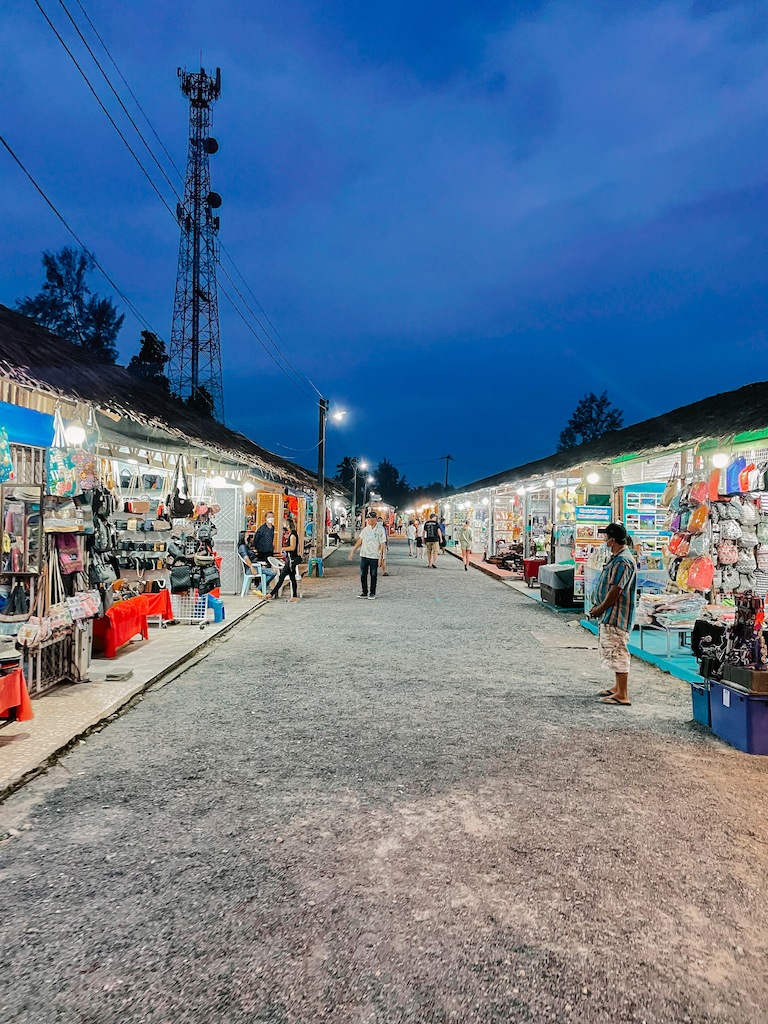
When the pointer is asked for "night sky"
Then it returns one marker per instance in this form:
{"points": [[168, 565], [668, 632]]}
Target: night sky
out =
{"points": [[460, 216]]}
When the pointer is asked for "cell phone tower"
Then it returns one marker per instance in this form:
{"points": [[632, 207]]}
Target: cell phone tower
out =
{"points": [[194, 365]]}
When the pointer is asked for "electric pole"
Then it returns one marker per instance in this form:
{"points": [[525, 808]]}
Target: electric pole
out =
{"points": [[194, 365], [448, 459], [319, 531]]}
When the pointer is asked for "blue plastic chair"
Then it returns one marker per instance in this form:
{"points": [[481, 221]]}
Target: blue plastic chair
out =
{"points": [[317, 563]]}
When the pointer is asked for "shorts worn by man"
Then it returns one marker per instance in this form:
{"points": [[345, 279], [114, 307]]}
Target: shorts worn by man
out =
{"points": [[432, 540], [615, 608]]}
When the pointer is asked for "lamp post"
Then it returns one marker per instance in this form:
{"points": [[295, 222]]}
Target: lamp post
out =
{"points": [[368, 482], [318, 539], [361, 465]]}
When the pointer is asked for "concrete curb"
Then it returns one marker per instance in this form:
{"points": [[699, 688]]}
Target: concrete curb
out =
{"points": [[121, 704]]}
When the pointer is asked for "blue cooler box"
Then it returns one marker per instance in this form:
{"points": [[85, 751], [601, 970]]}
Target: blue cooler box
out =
{"points": [[700, 698], [739, 718]]}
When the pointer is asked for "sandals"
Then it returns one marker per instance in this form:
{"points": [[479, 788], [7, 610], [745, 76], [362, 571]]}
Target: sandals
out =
{"points": [[616, 702]]}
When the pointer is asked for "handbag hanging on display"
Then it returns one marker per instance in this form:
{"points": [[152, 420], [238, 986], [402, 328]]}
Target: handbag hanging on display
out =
{"points": [[180, 506], [15, 611], [181, 579], [70, 556], [62, 472]]}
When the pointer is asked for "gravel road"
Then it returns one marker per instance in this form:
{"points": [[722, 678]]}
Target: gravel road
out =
{"points": [[408, 810]]}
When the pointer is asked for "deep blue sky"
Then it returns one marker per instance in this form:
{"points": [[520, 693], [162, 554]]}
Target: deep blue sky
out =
{"points": [[460, 216]]}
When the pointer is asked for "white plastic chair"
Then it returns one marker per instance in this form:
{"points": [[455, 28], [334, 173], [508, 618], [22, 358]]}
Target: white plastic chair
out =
{"points": [[249, 578], [277, 565]]}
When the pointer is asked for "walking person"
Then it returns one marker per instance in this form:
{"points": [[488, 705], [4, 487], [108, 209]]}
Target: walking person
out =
{"points": [[292, 559], [465, 543], [419, 538], [432, 540], [411, 535], [370, 542], [441, 526], [615, 609]]}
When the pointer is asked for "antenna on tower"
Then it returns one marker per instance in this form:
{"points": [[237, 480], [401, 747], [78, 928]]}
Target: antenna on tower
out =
{"points": [[194, 367]]}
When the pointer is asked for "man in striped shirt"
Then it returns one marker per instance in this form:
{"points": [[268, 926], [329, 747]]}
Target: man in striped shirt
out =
{"points": [[615, 608]]}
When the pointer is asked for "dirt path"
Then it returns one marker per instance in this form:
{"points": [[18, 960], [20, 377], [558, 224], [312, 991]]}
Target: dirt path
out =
{"points": [[404, 810]]}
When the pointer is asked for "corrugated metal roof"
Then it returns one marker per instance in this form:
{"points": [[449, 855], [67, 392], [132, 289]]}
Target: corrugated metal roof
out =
{"points": [[33, 357], [720, 416]]}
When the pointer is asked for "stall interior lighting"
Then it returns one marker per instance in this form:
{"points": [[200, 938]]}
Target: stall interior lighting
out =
{"points": [[521, 490], [550, 483], [248, 487], [75, 433], [720, 460], [219, 481], [593, 478]]}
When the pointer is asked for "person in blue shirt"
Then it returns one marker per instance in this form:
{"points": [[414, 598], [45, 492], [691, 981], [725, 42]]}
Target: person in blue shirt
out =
{"points": [[614, 607]]}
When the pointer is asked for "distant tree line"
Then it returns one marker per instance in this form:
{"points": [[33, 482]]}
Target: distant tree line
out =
{"points": [[67, 307], [388, 482]]}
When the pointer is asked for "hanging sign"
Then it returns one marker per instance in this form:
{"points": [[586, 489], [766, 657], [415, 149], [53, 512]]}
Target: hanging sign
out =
{"points": [[593, 513]]}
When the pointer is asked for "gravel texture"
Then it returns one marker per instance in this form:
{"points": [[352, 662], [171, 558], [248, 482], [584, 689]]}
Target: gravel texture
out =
{"points": [[407, 810]]}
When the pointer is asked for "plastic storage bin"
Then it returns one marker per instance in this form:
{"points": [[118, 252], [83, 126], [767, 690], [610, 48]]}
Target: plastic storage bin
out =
{"points": [[739, 718], [700, 698]]}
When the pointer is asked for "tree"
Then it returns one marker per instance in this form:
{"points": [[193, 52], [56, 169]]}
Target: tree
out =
{"points": [[345, 472], [392, 487], [66, 306], [430, 492], [593, 417], [151, 360], [201, 401]]}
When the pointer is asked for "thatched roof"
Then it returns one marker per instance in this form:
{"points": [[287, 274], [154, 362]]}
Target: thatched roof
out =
{"points": [[721, 416], [33, 357]]}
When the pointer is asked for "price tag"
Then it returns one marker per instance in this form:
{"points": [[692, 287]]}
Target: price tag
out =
{"points": [[726, 698]]}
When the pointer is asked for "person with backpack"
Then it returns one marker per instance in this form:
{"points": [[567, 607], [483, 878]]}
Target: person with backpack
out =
{"points": [[432, 540]]}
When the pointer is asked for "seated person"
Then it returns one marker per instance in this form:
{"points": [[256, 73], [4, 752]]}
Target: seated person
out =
{"points": [[248, 555]]}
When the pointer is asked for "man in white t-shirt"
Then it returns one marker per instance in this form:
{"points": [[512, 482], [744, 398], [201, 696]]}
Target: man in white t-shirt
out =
{"points": [[371, 542]]}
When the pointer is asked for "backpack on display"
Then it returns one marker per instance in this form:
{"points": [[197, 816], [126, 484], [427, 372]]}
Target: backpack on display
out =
{"points": [[701, 574], [727, 553], [699, 545], [730, 578]]}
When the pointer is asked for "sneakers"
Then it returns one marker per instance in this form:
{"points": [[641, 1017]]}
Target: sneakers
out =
{"points": [[371, 597], [361, 597]]}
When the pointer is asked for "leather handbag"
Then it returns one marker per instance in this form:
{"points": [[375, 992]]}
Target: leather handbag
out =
{"points": [[181, 578], [180, 507]]}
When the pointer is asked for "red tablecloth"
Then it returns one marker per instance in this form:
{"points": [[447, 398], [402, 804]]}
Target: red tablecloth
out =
{"points": [[122, 622], [13, 694], [532, 566], [158, 604]]}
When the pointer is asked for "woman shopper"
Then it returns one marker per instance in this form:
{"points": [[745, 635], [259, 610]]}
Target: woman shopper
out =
{"points": [[420, 538], [465, 543], [411, 535], [292, 559]]}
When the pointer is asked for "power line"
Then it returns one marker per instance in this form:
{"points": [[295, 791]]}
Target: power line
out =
{"points": [[117, 97], [132, 94], [142, 320], [277, 348], [111, 119]]}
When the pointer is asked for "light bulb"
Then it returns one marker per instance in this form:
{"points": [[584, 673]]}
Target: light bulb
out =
{"points": [[219, 481], [248, 487], [75, 433], [593, 478], [521, 491], [720, 460], [550, 483], [484, 501]]}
